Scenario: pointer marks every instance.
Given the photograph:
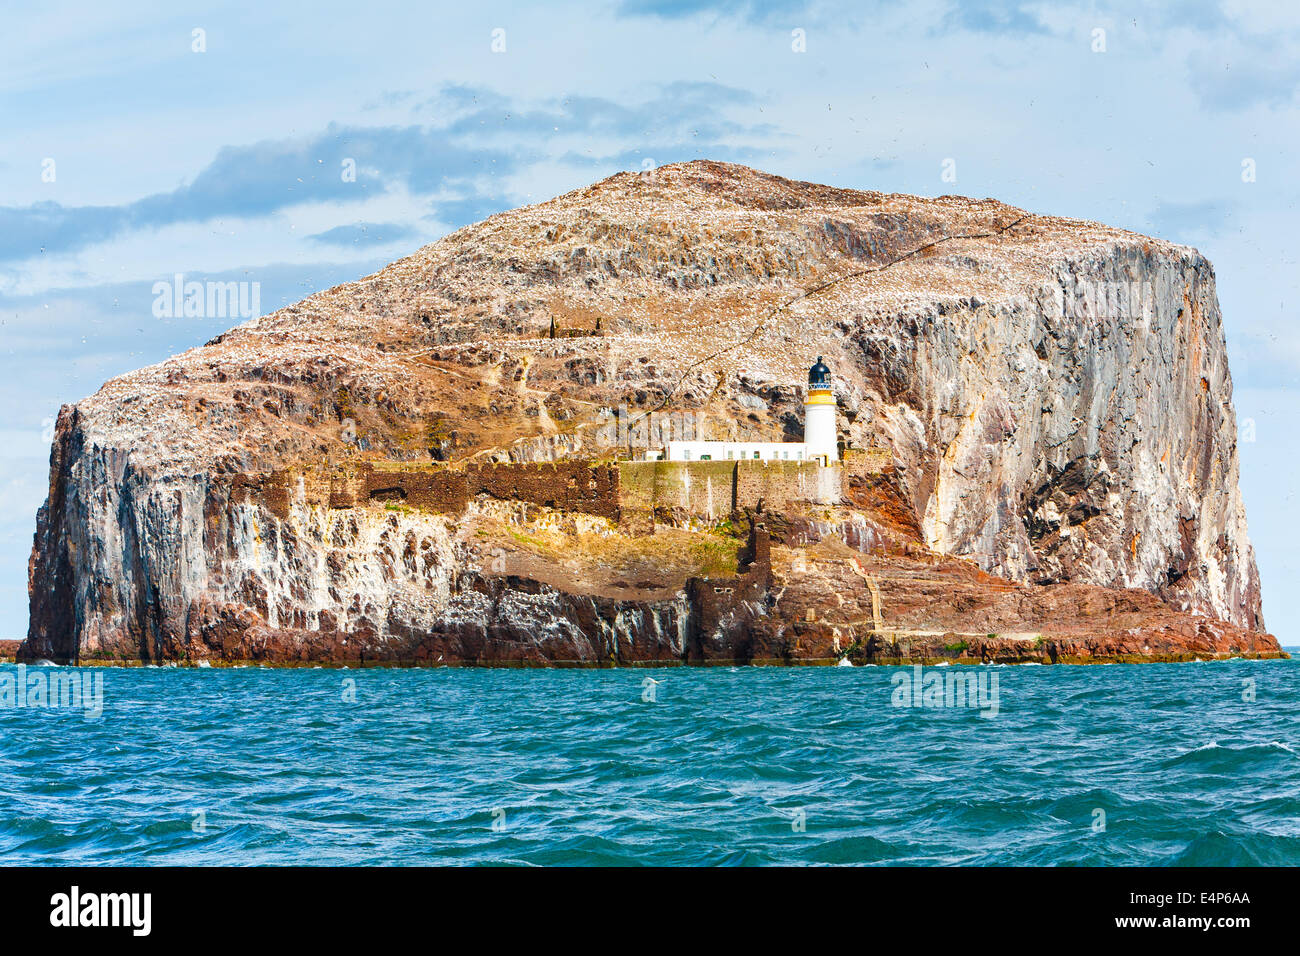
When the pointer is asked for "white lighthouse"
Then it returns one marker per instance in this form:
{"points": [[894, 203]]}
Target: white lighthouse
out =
{"points": [[819, 433], [819, 416]]}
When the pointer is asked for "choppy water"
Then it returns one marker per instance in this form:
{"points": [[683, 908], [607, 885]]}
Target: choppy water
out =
{"points": [[745, 766]]}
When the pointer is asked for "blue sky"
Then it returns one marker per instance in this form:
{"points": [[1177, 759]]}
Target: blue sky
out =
{"points": [[226, 163]]}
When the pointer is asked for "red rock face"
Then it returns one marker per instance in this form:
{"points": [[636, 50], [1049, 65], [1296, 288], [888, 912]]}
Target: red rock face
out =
{"points": [[1054, 394]]}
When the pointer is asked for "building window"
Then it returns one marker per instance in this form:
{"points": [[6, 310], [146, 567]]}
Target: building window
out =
{"points": [[758, 454], [785, 455], [731, 453], [800, 454]]}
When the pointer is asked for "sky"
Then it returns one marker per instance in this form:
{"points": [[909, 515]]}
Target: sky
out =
{"points": [[300, 145]]}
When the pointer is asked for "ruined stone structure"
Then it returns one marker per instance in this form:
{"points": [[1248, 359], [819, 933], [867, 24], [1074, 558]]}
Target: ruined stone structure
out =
{"points": [[587, 487], [723, 609], [632, 490]]}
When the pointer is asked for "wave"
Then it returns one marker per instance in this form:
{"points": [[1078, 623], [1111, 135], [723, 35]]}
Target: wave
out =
{"points": [[1213, 757]]}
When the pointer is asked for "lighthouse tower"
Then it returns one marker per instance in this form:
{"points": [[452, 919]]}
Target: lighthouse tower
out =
{"points": [[819, 415]]}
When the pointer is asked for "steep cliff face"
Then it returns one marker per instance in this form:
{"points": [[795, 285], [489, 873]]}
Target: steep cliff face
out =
{"points": [[1055, 395], [1084, 433]]}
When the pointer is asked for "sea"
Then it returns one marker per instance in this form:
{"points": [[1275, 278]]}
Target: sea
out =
{"points": [[1192, 764]]}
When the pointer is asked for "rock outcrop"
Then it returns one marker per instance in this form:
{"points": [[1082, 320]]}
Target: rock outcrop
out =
{"points": [[1054, 393]]}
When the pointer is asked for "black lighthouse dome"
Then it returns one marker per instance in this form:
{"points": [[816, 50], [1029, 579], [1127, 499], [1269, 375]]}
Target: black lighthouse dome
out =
{"points": [[819, 376]]}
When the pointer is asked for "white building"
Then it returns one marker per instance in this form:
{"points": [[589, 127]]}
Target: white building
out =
{"points": [[733, 450], [819, 437]]}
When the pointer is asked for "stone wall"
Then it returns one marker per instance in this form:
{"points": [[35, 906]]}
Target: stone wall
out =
{"points": [[567, 485], [714, 489], [430, 489], [775, 484], [629, 490], [706, 489]]}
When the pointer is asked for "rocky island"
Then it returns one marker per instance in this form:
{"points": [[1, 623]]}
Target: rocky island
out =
{"points": [[464, 458]]}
